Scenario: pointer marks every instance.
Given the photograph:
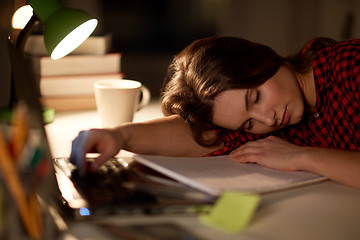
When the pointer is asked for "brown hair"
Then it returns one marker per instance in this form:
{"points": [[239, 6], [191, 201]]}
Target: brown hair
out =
{"points": [[207, 67], [212, 65]]}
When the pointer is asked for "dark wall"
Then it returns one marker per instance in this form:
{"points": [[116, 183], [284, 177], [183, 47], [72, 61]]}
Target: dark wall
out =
{"points": [[157, 25], [150, 33]]}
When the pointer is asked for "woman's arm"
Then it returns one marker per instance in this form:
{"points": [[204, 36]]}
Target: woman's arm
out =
{"points": [[338, 165], [169, 136]]}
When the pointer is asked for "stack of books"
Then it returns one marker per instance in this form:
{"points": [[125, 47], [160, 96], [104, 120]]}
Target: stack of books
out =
{"points": [[67, 83]]}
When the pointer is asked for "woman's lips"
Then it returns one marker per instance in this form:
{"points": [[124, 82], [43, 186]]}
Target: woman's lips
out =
{"points": [[285, 118]]}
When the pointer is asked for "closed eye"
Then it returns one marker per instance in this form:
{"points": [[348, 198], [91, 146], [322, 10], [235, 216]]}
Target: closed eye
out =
{"points": [[257, 96], [249, 124], [250, 98]]}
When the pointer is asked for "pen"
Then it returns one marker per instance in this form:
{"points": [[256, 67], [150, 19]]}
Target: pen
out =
{"points": [[35, 211], [14, 184], [20, 126]]}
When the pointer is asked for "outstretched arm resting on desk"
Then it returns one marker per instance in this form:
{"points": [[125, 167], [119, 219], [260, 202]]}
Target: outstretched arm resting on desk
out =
{"points": [[168, 136]]}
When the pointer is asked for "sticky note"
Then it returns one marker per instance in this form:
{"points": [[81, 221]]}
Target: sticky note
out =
{"points": [[232, 211]]}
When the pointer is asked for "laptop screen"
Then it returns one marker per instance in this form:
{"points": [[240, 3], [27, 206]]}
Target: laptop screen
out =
{"points": [[36, 160]]}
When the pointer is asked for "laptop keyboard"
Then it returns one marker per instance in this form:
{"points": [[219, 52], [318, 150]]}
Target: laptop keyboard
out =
{"points": [[104, 187]]}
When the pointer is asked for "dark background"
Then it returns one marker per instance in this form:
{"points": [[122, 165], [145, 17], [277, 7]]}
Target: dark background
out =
{"points": [[150, 32]]}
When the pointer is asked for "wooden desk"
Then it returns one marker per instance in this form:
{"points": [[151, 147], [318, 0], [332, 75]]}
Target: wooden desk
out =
{"points": [[324, 210]]}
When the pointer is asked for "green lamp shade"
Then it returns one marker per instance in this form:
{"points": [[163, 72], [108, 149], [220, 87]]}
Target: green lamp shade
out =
{"points": [[66, 29]]}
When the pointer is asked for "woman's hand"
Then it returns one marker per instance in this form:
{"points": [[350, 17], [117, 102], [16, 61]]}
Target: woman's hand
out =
{"points": [[339, 165], [272, 152], [107, 142]]}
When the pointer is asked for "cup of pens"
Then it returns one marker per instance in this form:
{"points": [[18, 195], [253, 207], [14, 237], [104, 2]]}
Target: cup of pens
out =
{"points": [[24, 170]]}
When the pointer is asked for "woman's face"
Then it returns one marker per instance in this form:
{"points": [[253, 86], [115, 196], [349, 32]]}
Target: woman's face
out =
{"points": [[275, 104]]}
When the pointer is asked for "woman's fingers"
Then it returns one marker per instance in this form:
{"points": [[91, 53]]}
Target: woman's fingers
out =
{"points": [[93, 141], [271, 152], [78, 151]]}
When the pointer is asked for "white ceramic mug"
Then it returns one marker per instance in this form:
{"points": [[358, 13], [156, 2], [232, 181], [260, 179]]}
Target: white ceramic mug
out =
{"points": [[118, 99]]}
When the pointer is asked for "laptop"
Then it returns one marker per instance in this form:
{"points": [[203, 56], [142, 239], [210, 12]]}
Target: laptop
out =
{"points": [[117, 188]]}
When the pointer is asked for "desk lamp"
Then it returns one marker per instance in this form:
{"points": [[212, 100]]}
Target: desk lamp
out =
{"points": [[64, 28]]}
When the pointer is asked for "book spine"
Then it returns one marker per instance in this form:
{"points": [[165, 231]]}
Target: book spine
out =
{"points": [[74, 85], [70, 103], [94, 45], [77, 65]]}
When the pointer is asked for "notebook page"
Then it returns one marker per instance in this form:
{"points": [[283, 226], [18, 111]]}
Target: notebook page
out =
{"points": [[216, 174]]}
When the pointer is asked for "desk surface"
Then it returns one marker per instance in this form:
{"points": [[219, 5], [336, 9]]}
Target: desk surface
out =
{"points": [[324, 210], [67, 125]]}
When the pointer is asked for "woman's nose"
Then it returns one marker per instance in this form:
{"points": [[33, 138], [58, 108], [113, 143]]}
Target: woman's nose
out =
{"points": [[266, 117]]}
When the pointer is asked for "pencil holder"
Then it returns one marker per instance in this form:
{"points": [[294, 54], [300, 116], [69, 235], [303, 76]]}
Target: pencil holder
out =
{"points": [[11, 226], [23, 176]]}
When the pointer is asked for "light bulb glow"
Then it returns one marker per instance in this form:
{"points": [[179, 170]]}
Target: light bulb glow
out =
{"points": [[21, 17], [74, 39]]}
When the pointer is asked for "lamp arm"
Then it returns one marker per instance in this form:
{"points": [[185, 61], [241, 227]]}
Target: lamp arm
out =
{"points": [[24, 34]]}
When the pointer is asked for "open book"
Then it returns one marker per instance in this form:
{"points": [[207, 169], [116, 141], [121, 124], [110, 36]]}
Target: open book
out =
{"points": [[213, 175]]}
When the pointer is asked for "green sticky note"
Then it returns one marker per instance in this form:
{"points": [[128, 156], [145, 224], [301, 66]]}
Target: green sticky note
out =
{"points": [[232, 211]]}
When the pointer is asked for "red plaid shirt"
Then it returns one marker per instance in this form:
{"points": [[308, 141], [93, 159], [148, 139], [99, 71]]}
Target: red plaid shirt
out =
{"points": [[335, 120]]}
